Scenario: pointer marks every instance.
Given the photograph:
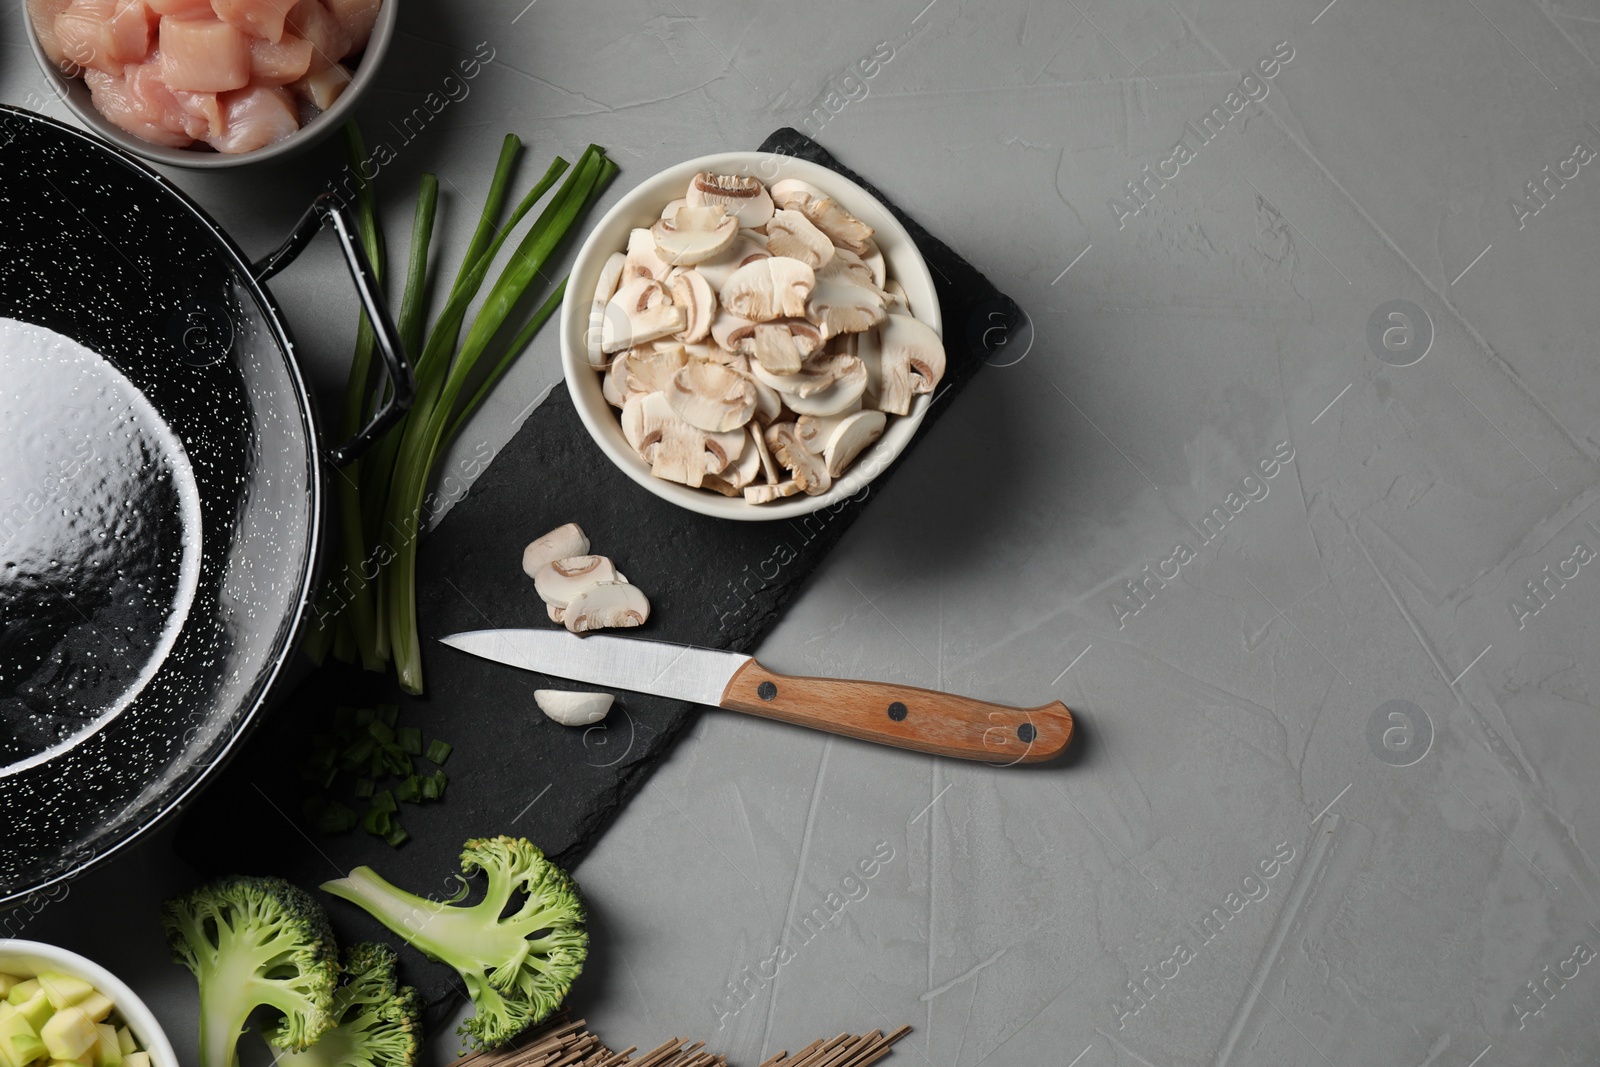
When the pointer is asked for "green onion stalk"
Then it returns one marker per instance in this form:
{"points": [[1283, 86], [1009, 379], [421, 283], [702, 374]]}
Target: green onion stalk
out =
{"points": [[380, 497]]}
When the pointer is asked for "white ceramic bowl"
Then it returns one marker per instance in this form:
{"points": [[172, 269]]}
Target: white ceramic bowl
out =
{"points": [[76, 95], [642, 207], [28, 958]]}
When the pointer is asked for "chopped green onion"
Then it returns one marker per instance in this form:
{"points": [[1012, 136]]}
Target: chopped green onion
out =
{"points": [[384, 801], [388, 714], [397, 836], [376, 821], [410, 740], [336, 818], [438, 751], [409, 790], [364, 787], [382, 731], [359, 752]]}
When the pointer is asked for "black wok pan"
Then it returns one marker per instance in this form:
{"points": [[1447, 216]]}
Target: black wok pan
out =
{"points": [[178, 599]]}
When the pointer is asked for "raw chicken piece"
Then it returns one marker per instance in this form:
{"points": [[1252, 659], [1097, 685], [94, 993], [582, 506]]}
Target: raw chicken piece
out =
{"points": [[313, 21], [42, 13], [260, 18], [254, 118], [111, 99], [281, 63], [323, 87], [356, 17], [203, 55], [103, 34], [183, 9], [196, 115]]}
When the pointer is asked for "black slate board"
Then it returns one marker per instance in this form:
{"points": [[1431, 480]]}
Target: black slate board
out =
{"points": [[513, 771]]}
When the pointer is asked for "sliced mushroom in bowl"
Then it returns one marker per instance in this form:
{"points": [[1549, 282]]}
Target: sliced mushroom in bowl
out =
{"points": [[751, 336]]}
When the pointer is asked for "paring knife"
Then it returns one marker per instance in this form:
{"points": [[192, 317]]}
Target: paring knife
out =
{"points": [[899, 715]]}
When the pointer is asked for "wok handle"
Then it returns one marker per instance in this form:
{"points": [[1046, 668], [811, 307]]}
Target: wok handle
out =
{"points": [[327, 209]]}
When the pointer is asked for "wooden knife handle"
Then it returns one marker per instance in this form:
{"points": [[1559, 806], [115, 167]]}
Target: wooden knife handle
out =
{"points": [[904, 716]]}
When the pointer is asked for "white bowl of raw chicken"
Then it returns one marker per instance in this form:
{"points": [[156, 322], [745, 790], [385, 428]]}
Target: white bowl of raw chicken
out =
{"points": [[642, 208], [278, 113]]}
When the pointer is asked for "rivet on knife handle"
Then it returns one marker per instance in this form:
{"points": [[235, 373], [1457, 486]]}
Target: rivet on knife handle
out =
{"points": [[904, 716]]}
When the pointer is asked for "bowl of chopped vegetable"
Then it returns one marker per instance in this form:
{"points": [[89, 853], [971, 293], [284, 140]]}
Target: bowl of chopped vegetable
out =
{"points": [[190, 83], [60, 1007], [751, 336]]}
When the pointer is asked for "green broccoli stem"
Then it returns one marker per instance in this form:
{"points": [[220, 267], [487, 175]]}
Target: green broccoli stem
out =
{"points": [[467, 938], [221, 1023]]}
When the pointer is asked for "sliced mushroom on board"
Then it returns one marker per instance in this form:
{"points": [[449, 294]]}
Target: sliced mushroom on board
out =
{"points": [[563, 541]]}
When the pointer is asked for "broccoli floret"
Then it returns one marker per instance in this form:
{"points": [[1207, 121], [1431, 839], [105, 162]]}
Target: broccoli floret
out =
{"points": [[253, 941], [380, 1021], [518, 949]]}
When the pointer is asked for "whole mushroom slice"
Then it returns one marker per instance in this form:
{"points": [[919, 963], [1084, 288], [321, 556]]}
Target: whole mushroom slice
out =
{"points": [[562, 579], [842, 228], [810, 470], [747, 247], [691, 292], [640, 311], [563, 541], [642, 260], [780, 346], [694, 235], [766, 494], [772, 288], [606, 606], [672, 207], [711, 396], [815, 430], [742, 195], [839, 306], [604, 289], [675, 450], [851, 437], [792, 234], [911, 362], [573, 709]]}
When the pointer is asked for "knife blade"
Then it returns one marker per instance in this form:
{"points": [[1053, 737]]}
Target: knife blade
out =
{"points": [[922, 720]]}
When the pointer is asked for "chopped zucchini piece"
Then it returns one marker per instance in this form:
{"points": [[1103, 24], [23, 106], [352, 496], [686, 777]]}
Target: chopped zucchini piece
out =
{"points": [[6, 982], [107, 1050], [136, 1059], [125, 1040], [37, 1010], [22, 991], [64, 990], [19, 1044], [69, 1034], [97, 1006]]}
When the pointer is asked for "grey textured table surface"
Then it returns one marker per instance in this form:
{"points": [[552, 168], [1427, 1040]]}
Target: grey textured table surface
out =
{"points": [[1257, 855]]}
